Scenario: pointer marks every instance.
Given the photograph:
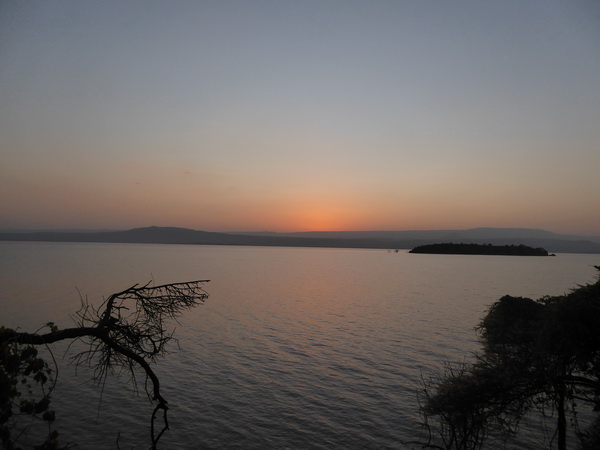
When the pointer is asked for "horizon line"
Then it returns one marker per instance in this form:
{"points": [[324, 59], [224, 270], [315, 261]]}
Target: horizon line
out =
{"points": [[108, 230]]}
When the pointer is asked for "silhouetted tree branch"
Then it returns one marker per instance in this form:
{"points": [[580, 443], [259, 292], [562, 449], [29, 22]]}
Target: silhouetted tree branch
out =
{"points": [[129, 329]]}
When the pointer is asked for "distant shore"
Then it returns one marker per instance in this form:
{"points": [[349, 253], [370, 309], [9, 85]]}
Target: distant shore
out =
{"points": [[335, 239], [480, 249]]}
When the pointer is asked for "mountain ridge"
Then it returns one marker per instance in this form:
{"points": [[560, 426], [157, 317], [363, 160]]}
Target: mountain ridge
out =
{"points": [[338, 239]]}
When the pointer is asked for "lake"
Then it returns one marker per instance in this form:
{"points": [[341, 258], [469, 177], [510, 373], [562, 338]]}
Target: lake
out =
{"points": [[294, 348]]}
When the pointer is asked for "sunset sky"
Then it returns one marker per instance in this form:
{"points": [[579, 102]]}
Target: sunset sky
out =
{"points": [[300, 115]]}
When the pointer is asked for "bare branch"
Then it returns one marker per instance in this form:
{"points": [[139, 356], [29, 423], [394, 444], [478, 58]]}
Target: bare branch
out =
{"points": [[129, 329]]}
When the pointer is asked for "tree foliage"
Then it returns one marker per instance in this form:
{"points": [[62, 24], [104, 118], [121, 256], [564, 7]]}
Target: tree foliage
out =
{"points": [[126, 331], [450, 248], [537, 355]]}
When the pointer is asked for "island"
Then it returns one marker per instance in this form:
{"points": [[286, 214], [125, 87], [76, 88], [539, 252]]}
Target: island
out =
{"points": [[480, 249]]}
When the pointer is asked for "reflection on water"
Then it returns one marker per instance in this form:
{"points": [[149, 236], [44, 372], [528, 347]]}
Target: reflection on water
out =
{"points": [[295, 348]]}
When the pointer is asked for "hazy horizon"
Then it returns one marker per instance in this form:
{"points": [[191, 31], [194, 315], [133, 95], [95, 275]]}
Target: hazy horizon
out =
{"points": [[493, 229], [232, 116]]}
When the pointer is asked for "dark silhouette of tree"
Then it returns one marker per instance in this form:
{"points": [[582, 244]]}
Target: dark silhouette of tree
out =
{"points": [[539, 355], [126, 331]]}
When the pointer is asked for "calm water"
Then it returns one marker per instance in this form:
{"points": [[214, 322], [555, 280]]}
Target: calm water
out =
{"points": [[295, 348]]}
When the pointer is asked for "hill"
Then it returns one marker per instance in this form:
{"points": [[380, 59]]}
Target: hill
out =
{"points": [[341, 239]]}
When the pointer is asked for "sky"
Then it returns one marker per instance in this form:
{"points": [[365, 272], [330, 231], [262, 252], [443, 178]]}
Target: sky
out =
{"points": [[300, 115]]}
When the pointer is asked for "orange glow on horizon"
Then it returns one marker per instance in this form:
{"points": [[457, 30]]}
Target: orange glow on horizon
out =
{"points": [[317, 218]]}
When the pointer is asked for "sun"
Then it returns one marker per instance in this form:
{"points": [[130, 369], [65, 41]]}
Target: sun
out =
{"points": [[318, 218]]}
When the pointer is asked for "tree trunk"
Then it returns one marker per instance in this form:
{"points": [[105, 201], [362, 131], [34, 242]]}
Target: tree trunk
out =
{"points": [[562, 420]]}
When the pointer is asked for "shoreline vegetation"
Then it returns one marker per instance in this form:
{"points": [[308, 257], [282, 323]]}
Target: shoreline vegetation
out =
{"points": [[449, 248]]}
